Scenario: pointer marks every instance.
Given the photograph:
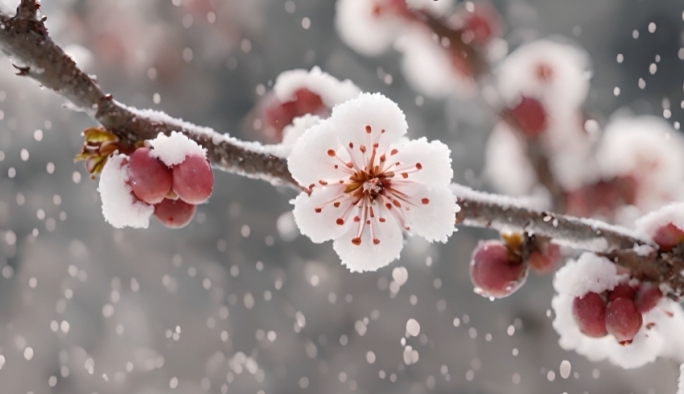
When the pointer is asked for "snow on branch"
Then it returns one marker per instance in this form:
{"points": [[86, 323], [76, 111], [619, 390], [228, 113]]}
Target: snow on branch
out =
{"points": [[623, 247], [25, 39]]}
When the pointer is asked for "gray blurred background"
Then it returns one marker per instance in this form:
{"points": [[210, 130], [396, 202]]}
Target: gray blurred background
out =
{"points": [[237, 302]]}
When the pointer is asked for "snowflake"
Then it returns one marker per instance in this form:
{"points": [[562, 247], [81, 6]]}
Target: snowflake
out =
{"points": [[366, 183]]}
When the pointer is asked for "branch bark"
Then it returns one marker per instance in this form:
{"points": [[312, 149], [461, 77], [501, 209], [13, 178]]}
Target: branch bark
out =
{"points": [[25, 39]]}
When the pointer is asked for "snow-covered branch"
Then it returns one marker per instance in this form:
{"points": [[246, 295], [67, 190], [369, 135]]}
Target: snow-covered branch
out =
{"points": [[25, 39], [626, 248]]}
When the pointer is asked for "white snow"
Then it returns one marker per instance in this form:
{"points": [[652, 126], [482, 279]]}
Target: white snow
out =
{"points": [[648, 149], [597, 274], [652, 221], [332, 90], [505, 201], [173, 149], [292, 132], [119, 207], [589, 273], [216, 139]]}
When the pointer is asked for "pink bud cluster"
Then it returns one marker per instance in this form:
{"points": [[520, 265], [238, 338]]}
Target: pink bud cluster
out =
{"points": [[173, 191], [618, 312]]}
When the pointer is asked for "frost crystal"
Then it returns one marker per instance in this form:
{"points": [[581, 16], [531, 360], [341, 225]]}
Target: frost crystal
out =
{"points": [[368, 183], [119, 207]]}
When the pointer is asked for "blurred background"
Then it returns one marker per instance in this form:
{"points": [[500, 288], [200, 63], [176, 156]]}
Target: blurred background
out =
{"points": [[238, 302]]}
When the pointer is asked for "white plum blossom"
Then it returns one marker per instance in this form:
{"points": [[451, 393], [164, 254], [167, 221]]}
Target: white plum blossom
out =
{"points": [[370, 27], [367, 183], [430, 68], [293, 131], [555, 72], [364, 26], [650, 152]]}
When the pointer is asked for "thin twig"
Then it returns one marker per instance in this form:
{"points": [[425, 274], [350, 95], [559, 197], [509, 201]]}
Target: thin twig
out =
{"points": [[26, 40]]}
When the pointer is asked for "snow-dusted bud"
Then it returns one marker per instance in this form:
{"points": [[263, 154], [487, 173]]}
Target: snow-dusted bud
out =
{"points": [[297, 93], [166, 179], [368, 183], [640, 327]]}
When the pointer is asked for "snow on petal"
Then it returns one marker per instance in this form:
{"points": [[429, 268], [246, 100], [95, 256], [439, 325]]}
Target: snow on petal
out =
{"points": [[366, 29], [375, 250], [174, 148], [119, 207], [294, 131], [589, 273], [320, 145], [424, 162], [317, 214], [371, 120], [433, 213], [331, 90], [363, 188]]}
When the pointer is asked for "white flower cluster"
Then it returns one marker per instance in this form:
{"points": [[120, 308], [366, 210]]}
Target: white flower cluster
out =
{"points": [[555, 75], [434, 67], [635, 165]]}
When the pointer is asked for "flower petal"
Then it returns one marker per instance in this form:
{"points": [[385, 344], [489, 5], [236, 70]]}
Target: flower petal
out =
{"points": [[368, 120], [316, 214], [311, 160], [432, 213], [421, 161], [370, 256]]}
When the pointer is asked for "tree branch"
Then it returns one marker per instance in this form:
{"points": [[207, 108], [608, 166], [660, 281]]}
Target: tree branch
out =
{"points": [[25, 39]]}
